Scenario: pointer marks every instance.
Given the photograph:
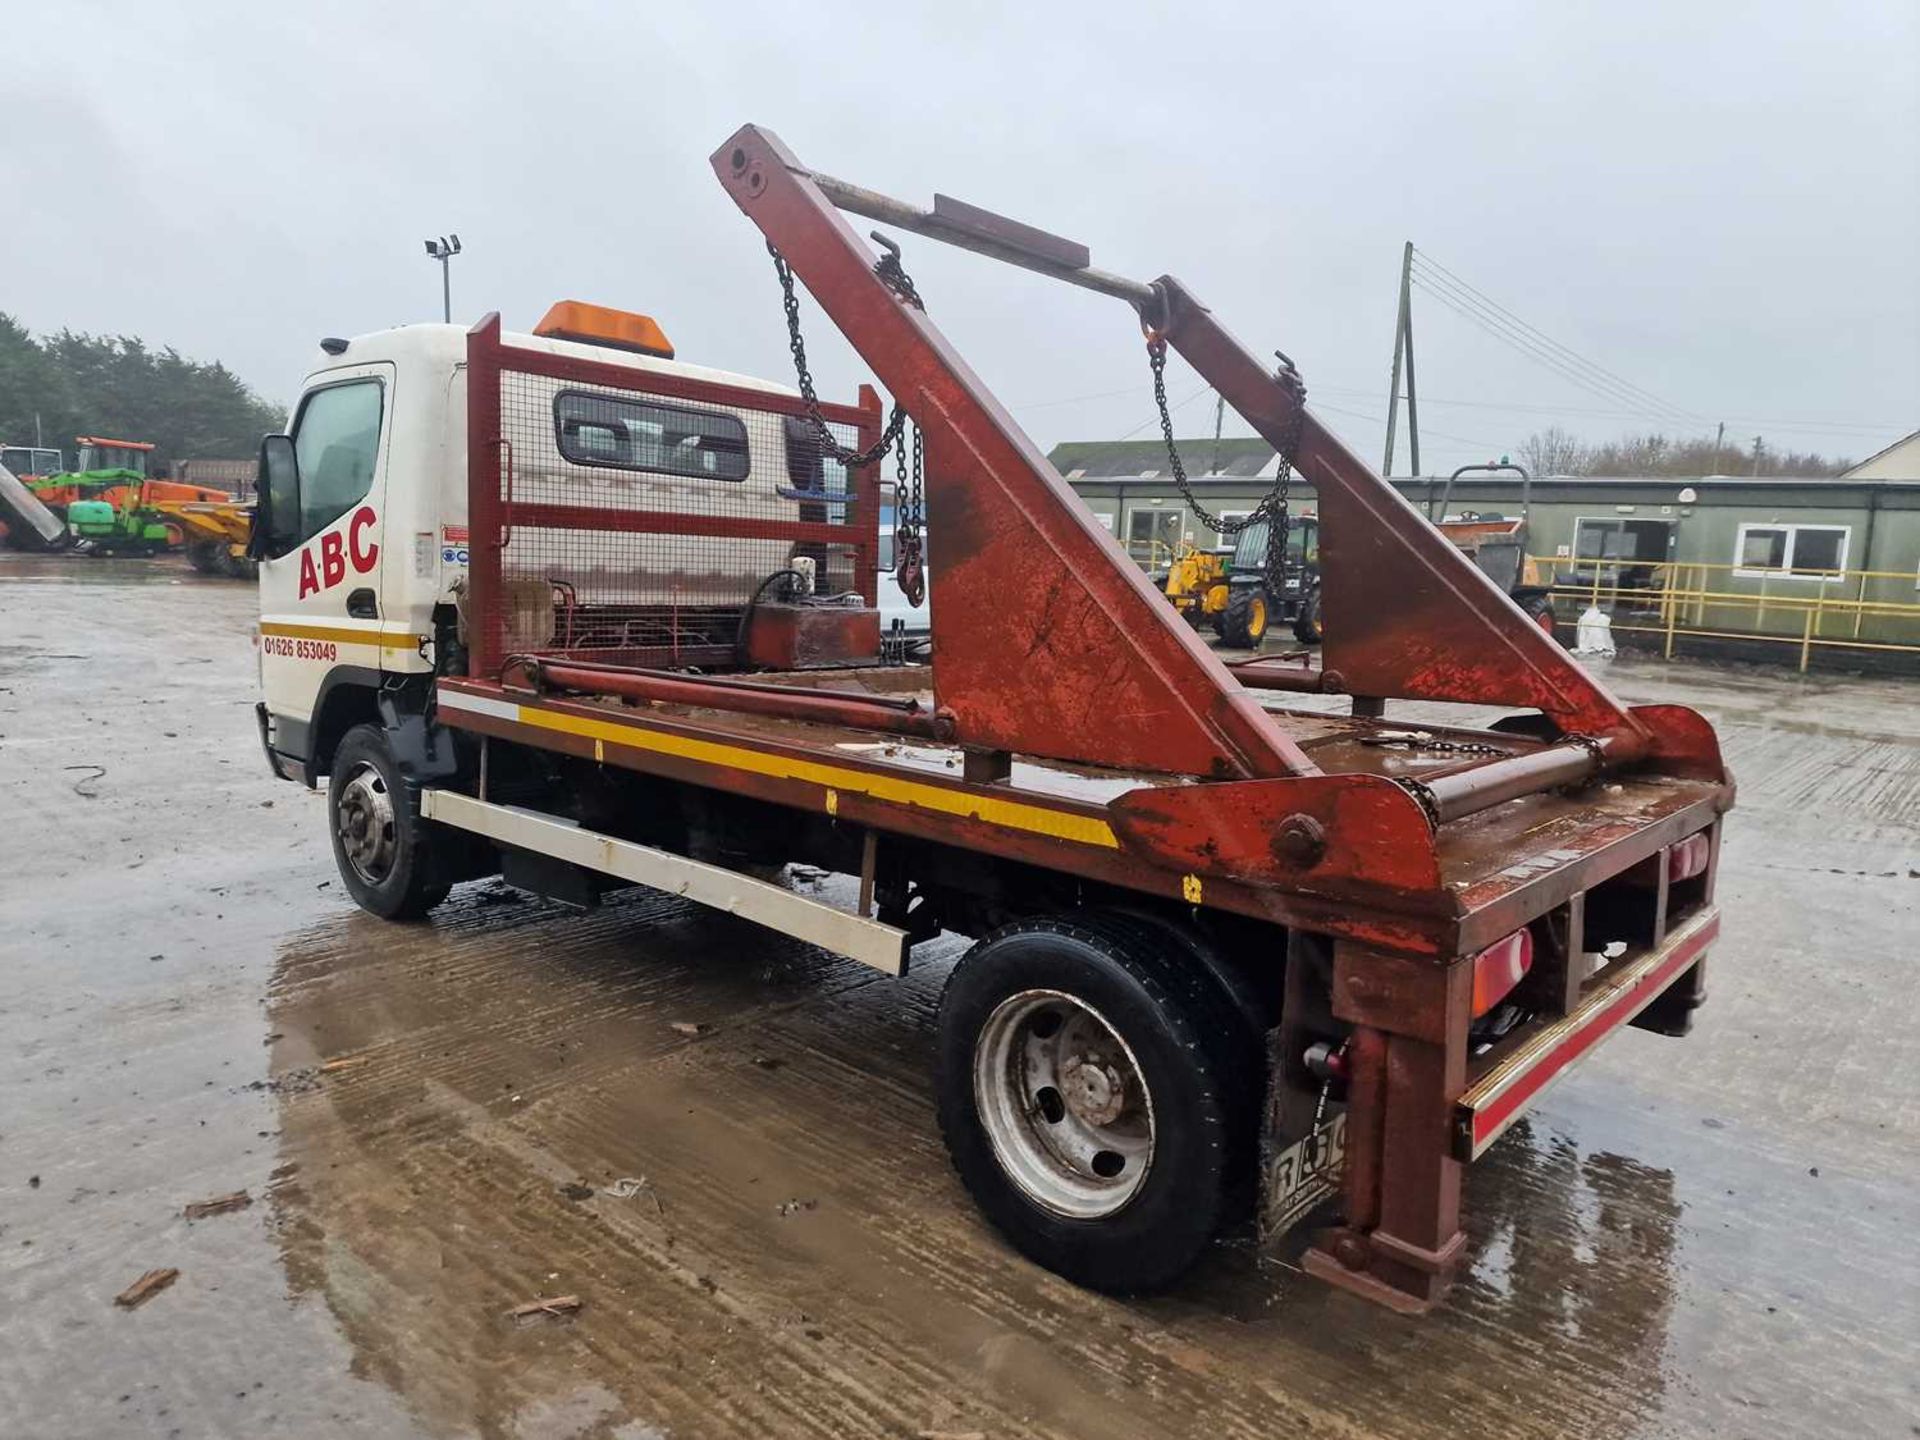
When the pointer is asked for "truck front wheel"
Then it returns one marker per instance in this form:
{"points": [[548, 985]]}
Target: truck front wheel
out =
{"points": [[1084, 1102], [380, 844]]}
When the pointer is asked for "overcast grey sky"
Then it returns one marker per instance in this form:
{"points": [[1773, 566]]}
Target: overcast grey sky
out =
{"points": [[1717, 201]]}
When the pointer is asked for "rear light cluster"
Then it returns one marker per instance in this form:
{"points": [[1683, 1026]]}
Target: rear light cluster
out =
{"points": [[1500, 967], [1688, 858]]}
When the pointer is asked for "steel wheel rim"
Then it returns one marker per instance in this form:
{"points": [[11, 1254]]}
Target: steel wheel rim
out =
{"points": [[369, 837], [1064, 1104]]}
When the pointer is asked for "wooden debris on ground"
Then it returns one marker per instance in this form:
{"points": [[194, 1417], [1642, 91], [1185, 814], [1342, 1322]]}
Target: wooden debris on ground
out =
{"points": [[146, 1287], [218, 1205], [690, 1027], [558, 1307]]}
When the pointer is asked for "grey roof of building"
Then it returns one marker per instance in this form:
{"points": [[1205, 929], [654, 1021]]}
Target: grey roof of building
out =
{"points": [[1135, 459]]}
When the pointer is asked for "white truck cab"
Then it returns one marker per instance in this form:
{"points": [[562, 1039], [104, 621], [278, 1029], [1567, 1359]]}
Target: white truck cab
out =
{"points": [[361, 531]]}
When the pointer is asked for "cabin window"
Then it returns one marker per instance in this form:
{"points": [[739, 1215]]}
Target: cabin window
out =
{"points": [[615, 433], [336, 438], [1803, 552]]}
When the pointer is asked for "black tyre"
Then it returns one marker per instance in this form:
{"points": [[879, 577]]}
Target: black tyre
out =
{"points": [[1244, 625], [1233, 1014], [206, 556], [1306, 625], [1086, 1097], [382, 846], [1539, 608], [237, 567]]}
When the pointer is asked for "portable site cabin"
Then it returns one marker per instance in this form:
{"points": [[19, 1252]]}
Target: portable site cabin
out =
{"points": [[1831, 563]]}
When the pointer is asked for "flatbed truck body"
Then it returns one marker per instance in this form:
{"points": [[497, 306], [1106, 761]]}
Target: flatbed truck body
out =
{"points": [[578, 613]]}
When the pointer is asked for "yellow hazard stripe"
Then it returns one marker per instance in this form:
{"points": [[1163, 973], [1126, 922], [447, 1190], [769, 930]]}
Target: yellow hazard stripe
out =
{"points": [[1013, 814], [341, 635]]}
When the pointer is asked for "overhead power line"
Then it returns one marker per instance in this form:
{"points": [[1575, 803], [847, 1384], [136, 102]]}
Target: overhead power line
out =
{"points": [[1862, 427], [1376, 422], [1865, 427], [1177, 405], [1434, 274], [1585, 380], [1480, 309]]}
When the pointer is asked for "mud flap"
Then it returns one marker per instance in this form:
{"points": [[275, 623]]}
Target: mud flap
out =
{"points": [[1303, 1147], [1303, 1131]]}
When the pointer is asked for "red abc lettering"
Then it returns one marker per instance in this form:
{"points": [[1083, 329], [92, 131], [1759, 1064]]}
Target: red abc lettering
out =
{"points": [[309, 582], [363, 559], [333, 563]]}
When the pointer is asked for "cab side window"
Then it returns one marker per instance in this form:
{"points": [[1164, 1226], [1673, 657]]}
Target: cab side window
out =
{"points": [[337, 440]]}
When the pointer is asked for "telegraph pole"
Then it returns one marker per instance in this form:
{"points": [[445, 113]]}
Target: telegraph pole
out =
{"points": [[1219, 418], [1403, 354]]}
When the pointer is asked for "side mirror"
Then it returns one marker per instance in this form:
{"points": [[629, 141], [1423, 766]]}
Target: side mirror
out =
{"points": [[276, 500]]}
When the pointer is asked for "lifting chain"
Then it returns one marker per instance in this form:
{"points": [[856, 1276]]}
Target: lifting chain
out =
{"points": [[1273, 505], [909, 522], [1426, 740]]}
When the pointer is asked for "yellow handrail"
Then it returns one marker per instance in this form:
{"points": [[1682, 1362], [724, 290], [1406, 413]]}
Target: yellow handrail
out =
{"points": [[1696, 598]]}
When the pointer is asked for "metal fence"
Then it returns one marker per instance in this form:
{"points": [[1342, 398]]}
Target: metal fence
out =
{"points": [[1810, 610], [631, 515]]}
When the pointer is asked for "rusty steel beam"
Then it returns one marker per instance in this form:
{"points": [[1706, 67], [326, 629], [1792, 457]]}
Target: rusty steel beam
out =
{"points": [[953, 223], [1308, 680], [712, 692], [1048, 641]]}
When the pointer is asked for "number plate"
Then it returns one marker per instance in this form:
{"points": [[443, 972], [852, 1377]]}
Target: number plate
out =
{"points": [[1304, 1174]]}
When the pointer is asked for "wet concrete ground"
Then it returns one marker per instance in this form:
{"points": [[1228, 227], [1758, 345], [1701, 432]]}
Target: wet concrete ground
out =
{"points": [[1704, 1237]]}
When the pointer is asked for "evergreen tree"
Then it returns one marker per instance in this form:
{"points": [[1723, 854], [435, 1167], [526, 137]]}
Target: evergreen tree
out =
{"points": [[114, 385]]}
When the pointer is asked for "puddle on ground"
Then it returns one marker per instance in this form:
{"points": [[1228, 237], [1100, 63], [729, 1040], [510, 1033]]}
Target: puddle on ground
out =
{"points": [[462, 1100]]}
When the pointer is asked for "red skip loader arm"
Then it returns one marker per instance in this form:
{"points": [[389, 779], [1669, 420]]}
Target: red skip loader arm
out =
{"points": [[1048, 640], [1413, 617], [1109, 672]]}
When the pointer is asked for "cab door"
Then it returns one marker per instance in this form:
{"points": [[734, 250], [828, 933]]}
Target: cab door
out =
{"points": [[321, 607]]}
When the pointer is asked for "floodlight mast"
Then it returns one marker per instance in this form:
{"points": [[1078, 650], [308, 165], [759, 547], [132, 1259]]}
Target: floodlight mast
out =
{"points": [[443, 250]]}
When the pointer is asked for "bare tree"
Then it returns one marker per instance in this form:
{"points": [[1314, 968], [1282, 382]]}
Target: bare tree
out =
{"points": [[1554, 452]]}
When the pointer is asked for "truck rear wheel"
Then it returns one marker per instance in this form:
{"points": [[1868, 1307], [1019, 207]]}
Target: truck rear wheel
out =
{"points": [[1244, 625], [380, 844], [1085, 1100]]}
